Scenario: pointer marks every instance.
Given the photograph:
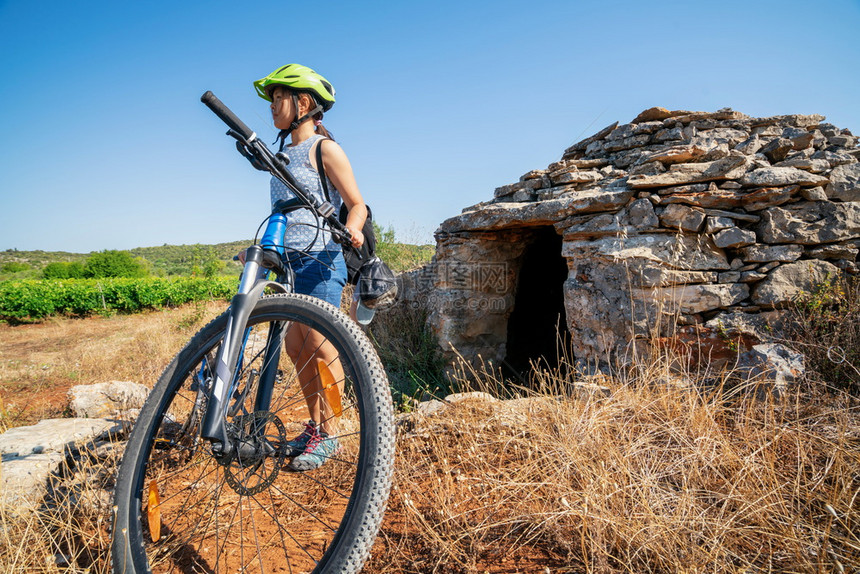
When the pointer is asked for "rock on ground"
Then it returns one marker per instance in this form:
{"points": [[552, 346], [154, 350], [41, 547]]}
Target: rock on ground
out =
{"points": [[116, 399], [32, 454]]}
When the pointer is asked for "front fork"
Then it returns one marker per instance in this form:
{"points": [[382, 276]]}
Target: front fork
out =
{"points": [[251, 287]]}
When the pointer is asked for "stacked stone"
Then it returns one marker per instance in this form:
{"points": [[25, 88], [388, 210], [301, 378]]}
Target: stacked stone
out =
{"points": [[691, 214]]}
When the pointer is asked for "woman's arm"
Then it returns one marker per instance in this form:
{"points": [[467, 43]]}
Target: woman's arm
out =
{"points": [[339, 171]]}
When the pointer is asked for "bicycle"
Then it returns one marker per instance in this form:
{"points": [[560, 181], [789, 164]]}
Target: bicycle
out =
{"points": [[204, 485]]}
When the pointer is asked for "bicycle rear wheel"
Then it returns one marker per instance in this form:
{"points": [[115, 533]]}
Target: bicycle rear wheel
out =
{"points": [[179, 509]]}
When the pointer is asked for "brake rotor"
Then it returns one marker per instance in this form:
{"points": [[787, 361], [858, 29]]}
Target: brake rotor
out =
{"points": [[259, 439]]}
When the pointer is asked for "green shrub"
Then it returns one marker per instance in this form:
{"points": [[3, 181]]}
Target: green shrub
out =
{"points": [[14, 267], [214, 268], [63, 270], [826, 326], [112, 263]]}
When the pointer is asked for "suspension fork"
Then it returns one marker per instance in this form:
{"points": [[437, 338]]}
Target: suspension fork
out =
{"points": [[213, 427]]}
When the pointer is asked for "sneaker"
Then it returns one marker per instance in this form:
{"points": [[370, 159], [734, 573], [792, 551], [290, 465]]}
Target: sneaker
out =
{"points": [[320, 448], [297, 446]]}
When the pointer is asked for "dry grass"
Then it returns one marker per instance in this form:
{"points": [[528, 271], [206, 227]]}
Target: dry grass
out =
{"points": [[652, 478], [656, 476], [69, 532]]}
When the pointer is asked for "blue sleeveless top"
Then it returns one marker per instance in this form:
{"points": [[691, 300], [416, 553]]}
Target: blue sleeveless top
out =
{"points": [[302, 233]]}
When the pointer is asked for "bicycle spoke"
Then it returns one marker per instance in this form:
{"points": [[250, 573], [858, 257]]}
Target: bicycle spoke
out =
{"points": [[256, 535], [299, 544], [178, 492], [215, 522], [181, 513], [231, 522], [281, 531], [311, 514]]}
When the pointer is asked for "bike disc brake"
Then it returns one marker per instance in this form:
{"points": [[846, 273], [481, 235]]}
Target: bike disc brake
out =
{"points": [[259, 439]]}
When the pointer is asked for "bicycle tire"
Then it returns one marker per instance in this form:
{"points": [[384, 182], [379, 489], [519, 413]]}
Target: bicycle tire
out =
{"points": [[322, 520]]}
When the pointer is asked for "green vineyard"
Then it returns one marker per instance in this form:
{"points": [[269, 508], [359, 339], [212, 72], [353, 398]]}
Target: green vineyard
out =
{"points": [[34, 299]]}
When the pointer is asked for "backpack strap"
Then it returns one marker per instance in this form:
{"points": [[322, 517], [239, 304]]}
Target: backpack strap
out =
{"points": [[369, 247], [321, 170]]}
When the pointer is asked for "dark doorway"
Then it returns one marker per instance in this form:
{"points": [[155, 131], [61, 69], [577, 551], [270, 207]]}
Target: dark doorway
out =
{"points": [[537, 328]]}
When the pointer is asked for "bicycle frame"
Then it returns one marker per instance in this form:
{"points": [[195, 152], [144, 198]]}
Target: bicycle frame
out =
{"points": [[241, 305]]}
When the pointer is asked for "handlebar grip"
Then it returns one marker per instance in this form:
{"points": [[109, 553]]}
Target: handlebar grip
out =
{"points": [[226, 115]]}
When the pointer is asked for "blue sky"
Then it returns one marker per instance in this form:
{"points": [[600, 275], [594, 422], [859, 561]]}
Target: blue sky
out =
{"points": [[105, 144]]}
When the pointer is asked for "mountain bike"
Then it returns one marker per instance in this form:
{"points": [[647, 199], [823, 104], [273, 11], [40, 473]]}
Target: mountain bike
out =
{"points": [[205, 483]]}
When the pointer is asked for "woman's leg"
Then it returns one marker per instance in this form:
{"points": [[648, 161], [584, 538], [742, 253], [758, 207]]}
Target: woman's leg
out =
{"points": [[306, 347], [322, 276]]}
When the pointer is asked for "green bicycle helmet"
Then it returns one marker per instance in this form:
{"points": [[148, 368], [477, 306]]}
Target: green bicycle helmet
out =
{"points": [[298, 78]]}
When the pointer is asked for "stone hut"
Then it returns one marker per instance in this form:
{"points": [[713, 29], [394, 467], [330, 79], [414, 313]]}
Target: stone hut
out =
{"points": [[701, 220]]}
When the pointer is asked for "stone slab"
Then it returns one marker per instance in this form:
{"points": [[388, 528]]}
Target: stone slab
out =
{"points": [[773, 364], [674, 154], [658, 277], [686, 252], [734, 237], [32, 454], [677, 216], [844, 183], [781, 176], [509, 215], [770, 253], [115, 399], [24, 480], [810, 223], [54, 435], [693, 299], [575, 176], [789, 281], [681, 174]]}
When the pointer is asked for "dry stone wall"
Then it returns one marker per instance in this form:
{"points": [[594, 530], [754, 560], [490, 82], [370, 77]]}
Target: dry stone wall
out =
{"points": [[677, 217]]}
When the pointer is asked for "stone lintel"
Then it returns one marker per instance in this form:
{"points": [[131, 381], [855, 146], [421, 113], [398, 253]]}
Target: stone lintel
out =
{"points": [[534, 214]]}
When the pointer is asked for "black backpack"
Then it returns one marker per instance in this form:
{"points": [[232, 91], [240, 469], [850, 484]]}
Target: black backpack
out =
{"points": [[368, 249]]}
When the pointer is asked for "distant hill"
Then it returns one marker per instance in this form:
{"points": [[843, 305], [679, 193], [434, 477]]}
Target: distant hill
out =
{"points": [[181, 259], [167, 260], [163, 260]]}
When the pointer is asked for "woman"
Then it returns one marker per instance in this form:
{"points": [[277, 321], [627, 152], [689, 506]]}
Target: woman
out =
{"points": [[299, 96]]}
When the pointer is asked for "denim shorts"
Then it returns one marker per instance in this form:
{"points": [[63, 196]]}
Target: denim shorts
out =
{"points": [[321, 274]]}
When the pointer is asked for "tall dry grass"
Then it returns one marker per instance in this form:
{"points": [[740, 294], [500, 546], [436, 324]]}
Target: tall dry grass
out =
{"points": [[69, 531], [654, 477]]}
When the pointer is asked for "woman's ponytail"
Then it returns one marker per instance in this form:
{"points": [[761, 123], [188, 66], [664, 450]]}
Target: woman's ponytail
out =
{"points": [[320, 129], [323, 132]]}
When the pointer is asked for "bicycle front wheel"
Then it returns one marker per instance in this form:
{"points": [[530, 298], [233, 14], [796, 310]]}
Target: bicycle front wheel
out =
{"points": [[270, 507]]}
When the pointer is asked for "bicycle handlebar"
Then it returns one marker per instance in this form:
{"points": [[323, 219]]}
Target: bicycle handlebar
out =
{"points": [[272, 163], [227, 115]]}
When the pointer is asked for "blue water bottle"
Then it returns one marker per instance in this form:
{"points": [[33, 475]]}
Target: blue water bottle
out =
{"points": [[273, 238]]}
